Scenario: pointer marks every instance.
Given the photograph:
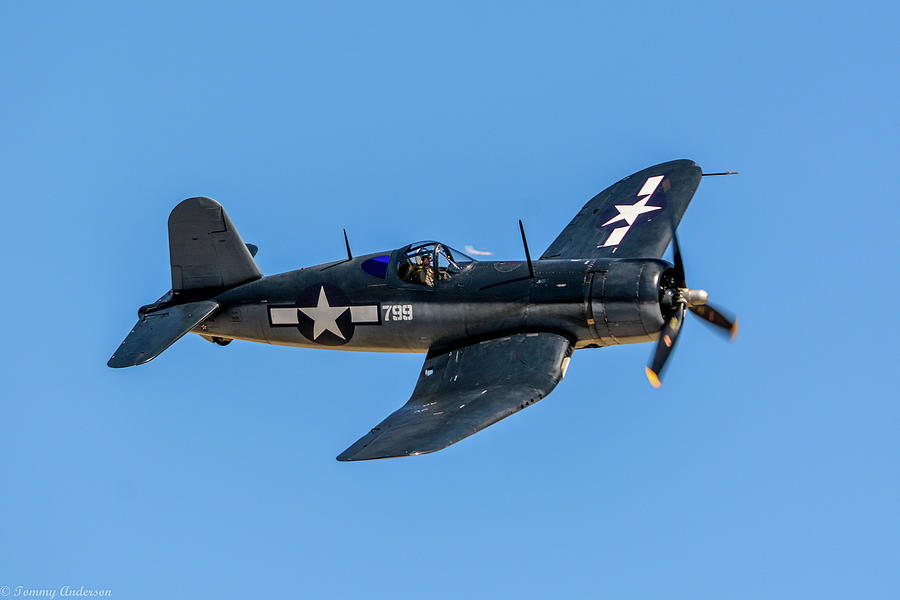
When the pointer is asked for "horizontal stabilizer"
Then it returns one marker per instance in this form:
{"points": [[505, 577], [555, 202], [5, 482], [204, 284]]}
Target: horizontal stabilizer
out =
{"points": [[156, 331]]}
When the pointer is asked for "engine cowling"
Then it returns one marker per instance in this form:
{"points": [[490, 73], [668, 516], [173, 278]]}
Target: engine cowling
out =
{"points": [[625, 300]]}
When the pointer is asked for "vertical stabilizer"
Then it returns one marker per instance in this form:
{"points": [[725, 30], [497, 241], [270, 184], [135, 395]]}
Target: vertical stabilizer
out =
{"points": [[205, 249]]}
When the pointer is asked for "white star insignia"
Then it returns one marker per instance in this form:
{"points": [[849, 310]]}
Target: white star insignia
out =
{"points": [[325, 316], [630, 212]]}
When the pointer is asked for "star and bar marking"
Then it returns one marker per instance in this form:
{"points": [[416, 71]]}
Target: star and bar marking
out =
{"points": [[630, 212], [324, 316]]}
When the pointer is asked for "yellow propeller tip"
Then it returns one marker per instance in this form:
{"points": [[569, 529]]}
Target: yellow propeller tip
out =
{"points": [[653, 377], [734, 330]]}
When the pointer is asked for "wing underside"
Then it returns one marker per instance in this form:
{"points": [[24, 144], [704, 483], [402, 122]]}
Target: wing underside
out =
{"points": [[156, 331], [633, 218], [462, 391]]}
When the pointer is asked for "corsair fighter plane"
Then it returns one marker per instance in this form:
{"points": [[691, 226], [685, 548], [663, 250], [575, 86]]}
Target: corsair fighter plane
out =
{"points": [[497, 336]]}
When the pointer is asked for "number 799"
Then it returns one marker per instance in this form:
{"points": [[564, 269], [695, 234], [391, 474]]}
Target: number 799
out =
{"points": [[397, 312]]}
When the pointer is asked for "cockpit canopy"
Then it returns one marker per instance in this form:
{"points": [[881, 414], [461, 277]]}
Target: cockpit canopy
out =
{"points": [[425, 263]]}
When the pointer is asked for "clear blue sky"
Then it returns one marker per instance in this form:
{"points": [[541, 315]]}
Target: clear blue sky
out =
{"points": [[767, 468]]}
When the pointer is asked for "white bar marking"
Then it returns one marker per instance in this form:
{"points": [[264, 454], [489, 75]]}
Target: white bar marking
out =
{"points": [[364, 314], [284, 316], [650, 185], [616, 236]]}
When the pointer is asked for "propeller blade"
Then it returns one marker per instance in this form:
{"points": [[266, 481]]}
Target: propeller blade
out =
{"points": [[667, 338], [679, 265], [715, 317]]}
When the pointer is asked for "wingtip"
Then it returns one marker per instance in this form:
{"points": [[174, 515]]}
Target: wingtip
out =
{"points": [[734, 330], [652, 377], [359, 456]]}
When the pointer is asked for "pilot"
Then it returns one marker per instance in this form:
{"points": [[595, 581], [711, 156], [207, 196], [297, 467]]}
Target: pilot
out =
{"points": [[422, 273]]}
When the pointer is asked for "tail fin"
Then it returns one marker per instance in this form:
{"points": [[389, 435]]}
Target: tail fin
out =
{"points": [[206, 254], [205, 250]]}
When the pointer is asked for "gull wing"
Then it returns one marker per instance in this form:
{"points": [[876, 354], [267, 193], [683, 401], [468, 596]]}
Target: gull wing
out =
{"points": [[464, 390], [633, 218]]}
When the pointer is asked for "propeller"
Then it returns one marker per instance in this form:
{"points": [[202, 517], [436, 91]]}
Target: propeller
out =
{"points": [[674, 298]]}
